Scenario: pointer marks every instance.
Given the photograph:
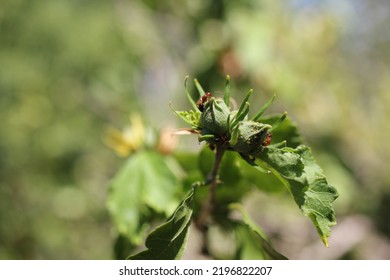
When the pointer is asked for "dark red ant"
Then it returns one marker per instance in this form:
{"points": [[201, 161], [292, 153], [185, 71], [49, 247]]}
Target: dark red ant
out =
{"points": [[267, 139], [200, 103]]}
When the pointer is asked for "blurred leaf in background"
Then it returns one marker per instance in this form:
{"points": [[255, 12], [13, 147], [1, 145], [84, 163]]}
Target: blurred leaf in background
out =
{"points": [[69, 68]]}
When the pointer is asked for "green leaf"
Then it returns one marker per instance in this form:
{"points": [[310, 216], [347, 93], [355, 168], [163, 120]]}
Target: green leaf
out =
{"points": [[252, 242], [190, 117], [167, 242], [122, 247], [297, 169], [144, 182]]}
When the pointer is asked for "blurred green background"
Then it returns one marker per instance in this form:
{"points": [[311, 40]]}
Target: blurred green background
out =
{"points": [[70, 68]]}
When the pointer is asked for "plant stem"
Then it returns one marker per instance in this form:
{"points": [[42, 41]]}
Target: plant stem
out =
{"points": [[209, 205]]}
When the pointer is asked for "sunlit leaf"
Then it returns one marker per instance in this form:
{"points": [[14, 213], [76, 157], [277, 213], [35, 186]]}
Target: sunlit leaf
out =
{"points": [[297, 169], [144, 182]]}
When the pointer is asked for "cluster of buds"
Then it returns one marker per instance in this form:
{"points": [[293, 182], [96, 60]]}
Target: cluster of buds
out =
{"points": [[214, 121]]}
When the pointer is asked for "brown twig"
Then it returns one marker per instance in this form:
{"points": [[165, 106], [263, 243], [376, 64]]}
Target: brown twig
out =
{"points": [[208, 207]]}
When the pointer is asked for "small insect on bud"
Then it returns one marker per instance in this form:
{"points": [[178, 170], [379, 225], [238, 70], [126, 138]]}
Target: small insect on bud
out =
{"points": [[267, 140], [250, 137], [214, 116], [201, 102]]}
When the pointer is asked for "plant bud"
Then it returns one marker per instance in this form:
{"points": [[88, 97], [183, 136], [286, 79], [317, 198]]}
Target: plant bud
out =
{"points": [[214, 116], [248, 137]]}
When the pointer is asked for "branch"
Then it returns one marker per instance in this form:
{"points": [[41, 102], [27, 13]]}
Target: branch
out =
{"points": [[209, 206]]}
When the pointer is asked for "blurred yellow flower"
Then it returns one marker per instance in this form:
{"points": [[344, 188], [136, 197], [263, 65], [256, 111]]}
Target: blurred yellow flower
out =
{"points": [[127, 141]]}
